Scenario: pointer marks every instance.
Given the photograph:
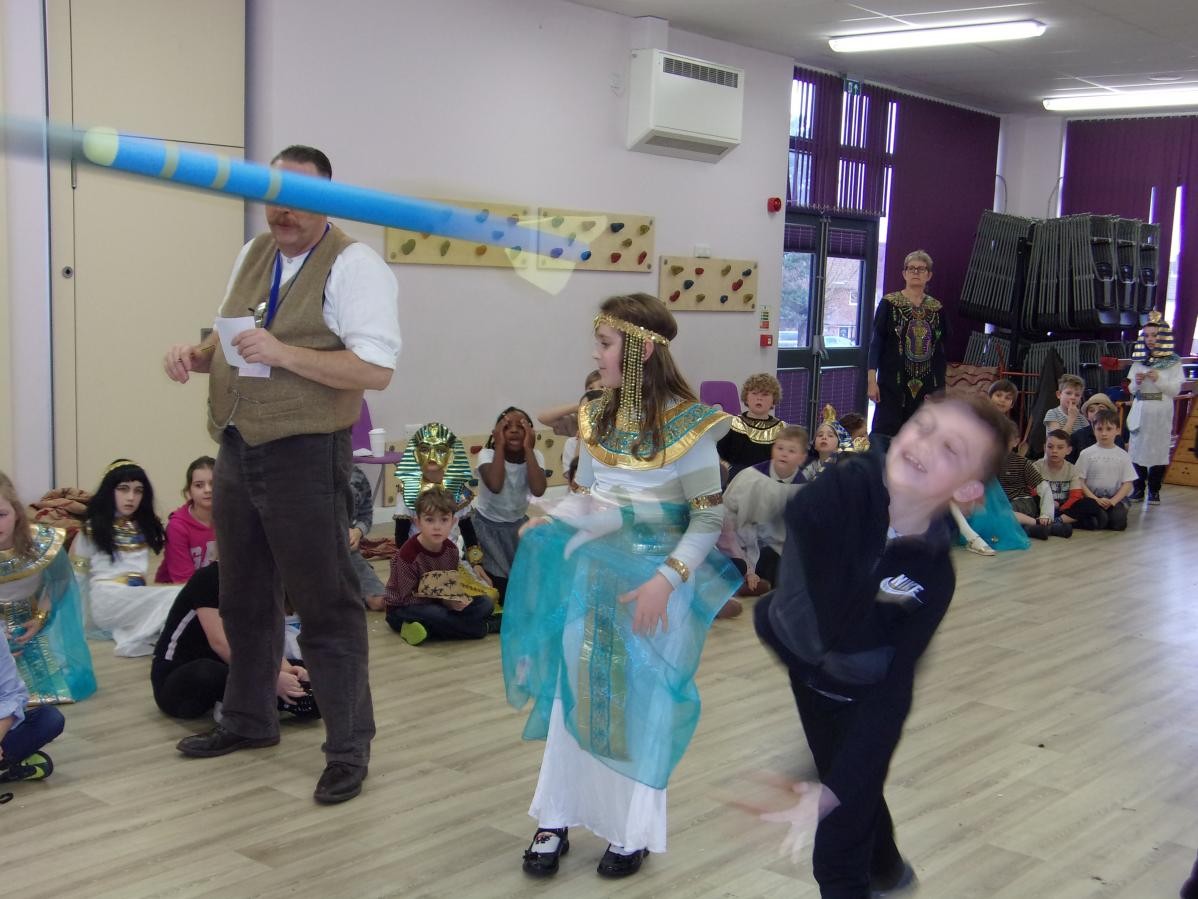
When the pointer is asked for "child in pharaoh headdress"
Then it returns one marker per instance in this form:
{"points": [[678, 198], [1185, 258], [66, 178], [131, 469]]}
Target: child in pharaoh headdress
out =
{"points": [[435, 457], [610, 599], [1156, 378]]}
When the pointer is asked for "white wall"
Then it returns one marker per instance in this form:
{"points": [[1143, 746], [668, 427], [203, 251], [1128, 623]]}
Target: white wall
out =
{"points": [[25, 336], [1029, 159], [514, 101]]}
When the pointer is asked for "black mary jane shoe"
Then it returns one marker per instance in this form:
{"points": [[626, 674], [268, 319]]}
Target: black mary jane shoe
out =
{"points": [[544, 864], [615, 865]]}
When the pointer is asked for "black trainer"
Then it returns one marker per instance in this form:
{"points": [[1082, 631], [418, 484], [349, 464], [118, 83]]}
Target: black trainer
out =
{"points": [[1154, 497], [1039, 531], [541, 856], [613, 864], [1061, 529], [898, 885]]}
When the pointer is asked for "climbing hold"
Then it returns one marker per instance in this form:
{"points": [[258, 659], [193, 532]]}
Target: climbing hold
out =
{"points": [[643, 229], [724, 298], [640, 259], [482, 215], [588, 224], [626, 242], [584, 255], [480, 249], [617, 227], [513, 220], [445, 245], [737, 284], [698, 271], [748, 298], [746, 273], [675, 295], [555, 252], [556, 221], [699, 298], [675, 269], [408, 246], [570, 240], [688, 284], [724, 271], [615, 257]]}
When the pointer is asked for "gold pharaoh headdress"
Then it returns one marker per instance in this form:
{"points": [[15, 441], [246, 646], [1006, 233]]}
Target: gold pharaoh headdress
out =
{"points": [[1163, 351], [630, 415]]}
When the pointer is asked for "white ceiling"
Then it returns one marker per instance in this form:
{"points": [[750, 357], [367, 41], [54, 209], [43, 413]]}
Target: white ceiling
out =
{"points": [[1090, 45]]}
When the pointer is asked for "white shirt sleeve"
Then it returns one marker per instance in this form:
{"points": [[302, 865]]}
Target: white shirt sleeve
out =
{"points": [[237, 263], [362, 305]]}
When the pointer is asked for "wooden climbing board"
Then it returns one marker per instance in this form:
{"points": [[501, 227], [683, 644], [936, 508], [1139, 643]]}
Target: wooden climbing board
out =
{"points": [[694, 284], [1184, 467], [417, 248], [616, 242]]}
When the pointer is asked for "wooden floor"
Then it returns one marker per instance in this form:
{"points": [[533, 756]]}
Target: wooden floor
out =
{"points": [[1051, 754]]}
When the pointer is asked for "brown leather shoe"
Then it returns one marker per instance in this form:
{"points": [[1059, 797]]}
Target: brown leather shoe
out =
{"points": [[731, 609]]}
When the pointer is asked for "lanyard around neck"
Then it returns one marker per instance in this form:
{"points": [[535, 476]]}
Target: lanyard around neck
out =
{"points": [[272, 305]]}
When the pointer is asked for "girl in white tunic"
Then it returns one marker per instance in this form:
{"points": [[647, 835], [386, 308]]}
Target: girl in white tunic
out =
{"points": [[113, 551], [610, 601], [1156, 378]]}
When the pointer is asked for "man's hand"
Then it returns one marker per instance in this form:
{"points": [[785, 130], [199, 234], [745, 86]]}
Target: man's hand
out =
{"points": [[355, 537], [651, 598], [258, 345], [184, 358], [288, 685]]}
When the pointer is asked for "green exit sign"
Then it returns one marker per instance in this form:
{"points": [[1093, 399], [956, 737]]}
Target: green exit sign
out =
{"points": [[852, 86]]}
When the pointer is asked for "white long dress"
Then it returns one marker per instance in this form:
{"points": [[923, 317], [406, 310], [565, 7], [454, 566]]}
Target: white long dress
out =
{"points": [[119, 599], [1151, 420], [576, 789]]}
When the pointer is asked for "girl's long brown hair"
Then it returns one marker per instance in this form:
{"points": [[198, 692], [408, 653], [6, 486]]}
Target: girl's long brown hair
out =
{"points": [[22, 542], [663, 382]]}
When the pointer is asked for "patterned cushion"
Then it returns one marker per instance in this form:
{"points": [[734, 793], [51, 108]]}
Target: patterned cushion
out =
{"points": [[438, 585], [970, 378]]}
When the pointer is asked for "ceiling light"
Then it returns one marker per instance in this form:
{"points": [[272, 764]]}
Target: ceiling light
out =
{"points": [[1129, 100], [937, 37]]}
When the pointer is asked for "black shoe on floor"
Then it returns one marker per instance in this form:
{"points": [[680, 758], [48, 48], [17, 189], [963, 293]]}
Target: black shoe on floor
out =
{"points": [[903, 882], [1137, 495], [1061, 529], [38, 766], [543, 861], [495, 623], [615, 865], [1039, 531], [219, 741], [340, 782], [1154, 497]]}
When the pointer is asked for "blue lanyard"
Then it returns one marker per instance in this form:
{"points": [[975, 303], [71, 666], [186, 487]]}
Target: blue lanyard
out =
{"points": [[272, 305]]}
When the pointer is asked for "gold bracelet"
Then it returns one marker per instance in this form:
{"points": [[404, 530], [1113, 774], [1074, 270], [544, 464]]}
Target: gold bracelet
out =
{"points": [[679, 566], [710, 501], [40, 615]]}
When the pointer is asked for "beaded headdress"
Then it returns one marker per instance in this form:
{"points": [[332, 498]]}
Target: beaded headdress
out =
{"points": [[630, 415], [119, 463], [845, 443], [1163, 351]]}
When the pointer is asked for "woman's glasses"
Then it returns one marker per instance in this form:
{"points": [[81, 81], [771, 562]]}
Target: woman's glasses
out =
{"points": [[917, 269]]}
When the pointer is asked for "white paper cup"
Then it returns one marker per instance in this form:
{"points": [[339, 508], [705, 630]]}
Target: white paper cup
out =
{"points": [[378, 441]]}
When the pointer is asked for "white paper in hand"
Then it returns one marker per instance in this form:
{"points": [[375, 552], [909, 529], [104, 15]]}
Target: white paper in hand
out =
{"points": [[228, 328]]}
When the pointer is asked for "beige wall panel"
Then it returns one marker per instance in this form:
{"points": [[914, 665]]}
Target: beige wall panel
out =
{"points": [[151, 266], [6, 374], [173, 69]]}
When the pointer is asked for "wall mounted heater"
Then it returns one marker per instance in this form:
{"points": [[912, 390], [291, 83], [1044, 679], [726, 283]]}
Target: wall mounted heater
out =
{"points": [[680, 106]]}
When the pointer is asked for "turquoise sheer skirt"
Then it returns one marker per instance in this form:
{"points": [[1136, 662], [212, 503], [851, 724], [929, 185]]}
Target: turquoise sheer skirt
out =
{"points": [[629, 700], [56, 665], [995, 522]]}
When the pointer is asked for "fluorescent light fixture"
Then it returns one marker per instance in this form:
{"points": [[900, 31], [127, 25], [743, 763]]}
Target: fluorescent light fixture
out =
{"points": [[938, 37], [1152, 99]]}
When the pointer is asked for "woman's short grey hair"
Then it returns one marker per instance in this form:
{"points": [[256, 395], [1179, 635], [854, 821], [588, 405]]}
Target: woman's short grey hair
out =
{"points": [[918, 256]]}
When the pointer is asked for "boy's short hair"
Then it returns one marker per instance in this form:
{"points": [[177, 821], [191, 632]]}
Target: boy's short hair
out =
{"points": [[1099, 399], [761, 383], [1056, 434], [987, 413], [797, 433], [851, 421], [1106, 416], [1002, 385], [435, 499], [1068, 380]]}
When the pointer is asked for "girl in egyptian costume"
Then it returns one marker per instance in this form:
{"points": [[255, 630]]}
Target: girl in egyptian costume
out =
{"points": [[40, 608], [112, 556], [611, 597]]}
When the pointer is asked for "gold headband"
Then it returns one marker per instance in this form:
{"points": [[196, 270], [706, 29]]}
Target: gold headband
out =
{"points": [[629, 328], [120, 463]]}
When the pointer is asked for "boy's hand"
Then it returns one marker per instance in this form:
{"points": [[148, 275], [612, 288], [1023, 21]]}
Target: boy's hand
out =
{"points": [[1103, 502], [481, 574], [1044, 521], [455, 604]]}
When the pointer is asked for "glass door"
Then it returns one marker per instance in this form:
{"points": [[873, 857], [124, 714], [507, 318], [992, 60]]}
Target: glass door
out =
{"points": [[826, 310]]}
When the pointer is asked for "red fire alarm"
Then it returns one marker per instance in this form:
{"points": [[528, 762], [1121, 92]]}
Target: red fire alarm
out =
{"points": [[774, 204], [767, 340]]}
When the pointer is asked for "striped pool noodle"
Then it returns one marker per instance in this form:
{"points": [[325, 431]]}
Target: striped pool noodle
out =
{"points": [[152, 158]]}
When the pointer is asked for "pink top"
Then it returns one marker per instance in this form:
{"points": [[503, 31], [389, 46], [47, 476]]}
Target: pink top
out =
{"points": [[190, 545]]}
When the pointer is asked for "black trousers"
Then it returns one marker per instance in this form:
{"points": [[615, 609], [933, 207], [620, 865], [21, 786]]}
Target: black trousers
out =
{"points": [[282, 528], [443, 623], [1153, 475], [854, 843], [894, 408], [189, 690]]}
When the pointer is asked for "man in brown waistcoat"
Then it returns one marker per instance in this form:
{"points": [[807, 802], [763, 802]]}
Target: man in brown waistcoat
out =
{"points": [[327, 322]]}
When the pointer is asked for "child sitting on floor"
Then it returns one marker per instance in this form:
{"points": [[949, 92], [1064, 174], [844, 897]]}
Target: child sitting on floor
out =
{"points": [[361, 518], [1071, 504], [1029, 495], [854, 424], [1107, 475], [754, 431], [825, 446], [23, 731], [1084, 436], [190, 537], [991, 527], [425, 597], [1068, 415]]}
